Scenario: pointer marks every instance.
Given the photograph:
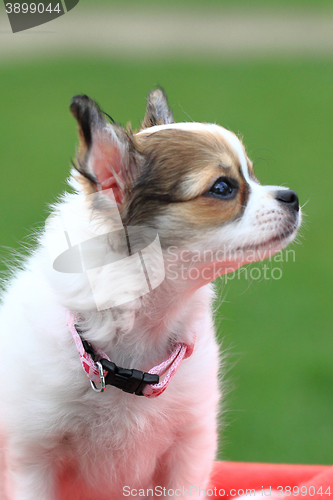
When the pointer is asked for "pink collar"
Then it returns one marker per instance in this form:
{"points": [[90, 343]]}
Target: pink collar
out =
{"points": [[100, 369]]}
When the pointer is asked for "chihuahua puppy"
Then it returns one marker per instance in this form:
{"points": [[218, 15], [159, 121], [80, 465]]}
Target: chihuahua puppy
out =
{"points": [[109, 369]]}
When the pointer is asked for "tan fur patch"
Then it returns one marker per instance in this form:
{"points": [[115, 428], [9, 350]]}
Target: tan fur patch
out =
{"points": [[181, 167]]}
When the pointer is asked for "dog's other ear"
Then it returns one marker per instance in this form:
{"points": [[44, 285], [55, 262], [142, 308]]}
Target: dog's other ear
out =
{"points": [[157, 111], [105, 154]]}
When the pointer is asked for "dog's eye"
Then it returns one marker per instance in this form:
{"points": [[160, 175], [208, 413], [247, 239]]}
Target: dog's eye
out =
{"points": [[223, 188]]}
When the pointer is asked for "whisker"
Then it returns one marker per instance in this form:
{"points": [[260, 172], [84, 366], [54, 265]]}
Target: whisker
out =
{"points": [[307, 201], [181, 107]]}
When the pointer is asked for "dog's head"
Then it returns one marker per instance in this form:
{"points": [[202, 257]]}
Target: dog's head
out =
{"points": [[192, 182]]}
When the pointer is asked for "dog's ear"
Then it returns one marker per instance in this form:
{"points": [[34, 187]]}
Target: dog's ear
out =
{"points": [[157, 111], [106, 152]]}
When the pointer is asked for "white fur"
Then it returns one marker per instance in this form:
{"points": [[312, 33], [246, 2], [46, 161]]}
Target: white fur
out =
{"points": [[49, 414]]}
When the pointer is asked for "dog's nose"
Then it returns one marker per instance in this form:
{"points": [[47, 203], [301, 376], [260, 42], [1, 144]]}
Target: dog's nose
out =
{"points": [[289, 197]]}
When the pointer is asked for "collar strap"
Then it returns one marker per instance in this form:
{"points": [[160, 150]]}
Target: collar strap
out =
{"points": [[101, 370]]}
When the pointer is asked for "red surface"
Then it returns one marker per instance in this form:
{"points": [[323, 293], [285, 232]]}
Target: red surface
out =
{"points": [[235, 476]]}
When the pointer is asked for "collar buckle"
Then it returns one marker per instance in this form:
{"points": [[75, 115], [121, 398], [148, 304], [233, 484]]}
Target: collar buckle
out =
{"points": [[101, 376], [128, 380]]}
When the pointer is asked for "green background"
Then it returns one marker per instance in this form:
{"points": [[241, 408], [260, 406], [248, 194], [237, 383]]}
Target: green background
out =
{"points": [[276, 334]]}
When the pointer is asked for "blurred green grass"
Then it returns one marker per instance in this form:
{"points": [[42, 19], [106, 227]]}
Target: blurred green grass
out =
{"points": [[277, 333]]}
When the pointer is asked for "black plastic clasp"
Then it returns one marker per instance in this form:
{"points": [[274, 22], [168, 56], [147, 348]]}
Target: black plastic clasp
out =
{"points": [[131, 381]]}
